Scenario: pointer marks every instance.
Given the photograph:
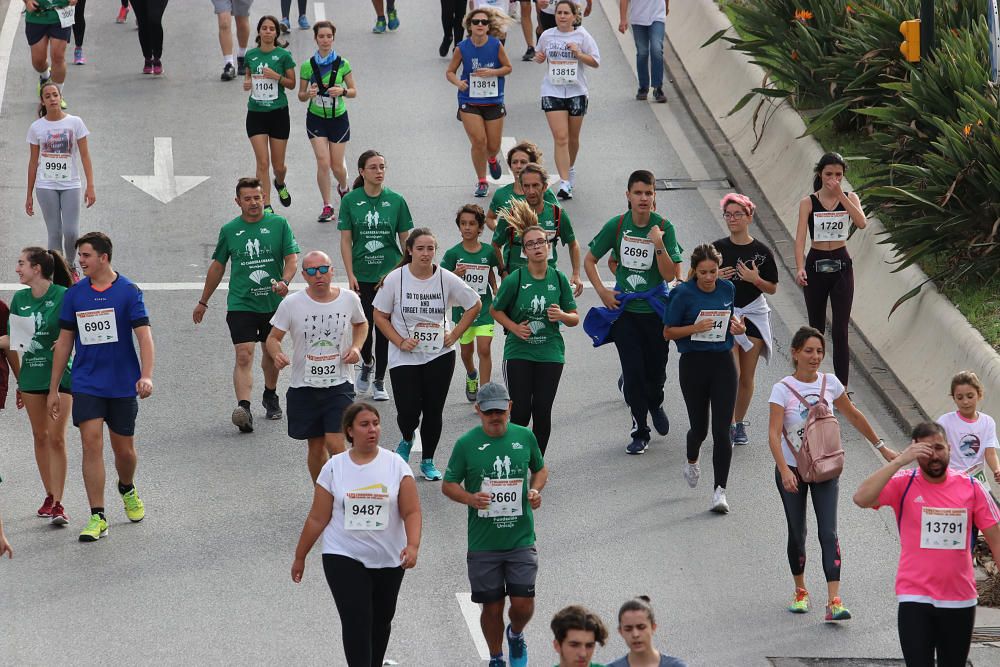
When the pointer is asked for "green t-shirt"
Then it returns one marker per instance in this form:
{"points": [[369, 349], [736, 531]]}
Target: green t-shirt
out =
{"points": [[477, 280], [258, 251], [323, 105], [525, 298], [625, 239], [502, 197], [45, 14], [374, 223], [36, 362], [280, 61], [514, 455], [510, 244]]}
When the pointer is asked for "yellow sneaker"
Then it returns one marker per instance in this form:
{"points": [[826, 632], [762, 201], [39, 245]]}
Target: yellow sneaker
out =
{"points": [[134, 509], [95, 530]]}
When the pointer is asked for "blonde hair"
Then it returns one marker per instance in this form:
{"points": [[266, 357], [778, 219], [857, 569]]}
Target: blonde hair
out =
{"points": [[499, 21], [969, 378], [519, 216]]}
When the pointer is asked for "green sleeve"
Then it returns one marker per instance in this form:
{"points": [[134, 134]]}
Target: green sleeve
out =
{"points": [[500, 235], [566, 300], [449, 260], [505, 293], [287, 63], [404, 221], [455, 472], [605, 239], [306, 71], [566, 232], [345, 68], [496, 203], [222, 252], [670, 242], [344, 221], [549, 197], [290, 244]]}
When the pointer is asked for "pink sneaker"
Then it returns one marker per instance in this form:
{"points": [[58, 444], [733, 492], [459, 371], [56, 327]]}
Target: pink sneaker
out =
{"points": [[157, 66], [46, 509], [59, 517], [342, 191], [147, 68]]}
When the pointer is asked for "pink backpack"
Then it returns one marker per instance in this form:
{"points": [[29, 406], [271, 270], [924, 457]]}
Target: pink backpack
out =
{"points": [[821, 456]]}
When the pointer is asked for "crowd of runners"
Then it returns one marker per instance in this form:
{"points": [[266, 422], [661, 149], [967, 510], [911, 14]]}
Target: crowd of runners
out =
{"points": [[78, 338]]}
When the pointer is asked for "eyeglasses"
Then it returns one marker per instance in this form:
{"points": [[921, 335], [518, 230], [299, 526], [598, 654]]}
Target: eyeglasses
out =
{"points": [[734, 216], [479, 21], [313, 270], [536, 244]]}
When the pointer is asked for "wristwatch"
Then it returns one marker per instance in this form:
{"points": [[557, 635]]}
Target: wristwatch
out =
{"points": [[879, 444], [285, 281]]}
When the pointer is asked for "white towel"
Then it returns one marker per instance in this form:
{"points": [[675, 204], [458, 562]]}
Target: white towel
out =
{"points": [[757, 312]]}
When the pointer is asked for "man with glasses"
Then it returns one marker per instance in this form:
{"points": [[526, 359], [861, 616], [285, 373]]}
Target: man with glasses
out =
{"points": [[503, 473], [328, 328]]}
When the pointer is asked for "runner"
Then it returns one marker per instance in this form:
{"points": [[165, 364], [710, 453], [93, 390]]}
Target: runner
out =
{"points": [[410, 309], [700, 321], [647, 18], [789, 415], [264, 254], [98, 317], [452, 24], [363, 558], [569, 50], [47, 25], [55, 139], [328, 328], [149, 19], [286, 8], [524, 10], [326, 81], [547, 13], [480, 90], [636, 625], [372, 219], [825, 274], [503, 472], [576, 633], [517, 157], [225, 12], [270, 72], [531, 304], [972, 435], [751, 267], [381, 20], [935, 583], [643, 245], [123, 12], [79, 32], [474, 262]]}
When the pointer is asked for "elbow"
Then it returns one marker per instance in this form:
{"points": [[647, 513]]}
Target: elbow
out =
{"points": [[860, 500]]}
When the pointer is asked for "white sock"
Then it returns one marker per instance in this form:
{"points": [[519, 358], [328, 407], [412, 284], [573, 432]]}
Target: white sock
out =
{"points": [[47, 74], [240, 52], [564, 185], [229, 59]]}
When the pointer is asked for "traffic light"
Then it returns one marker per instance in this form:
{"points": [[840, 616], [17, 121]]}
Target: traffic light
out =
{"points": [[910, 48]]}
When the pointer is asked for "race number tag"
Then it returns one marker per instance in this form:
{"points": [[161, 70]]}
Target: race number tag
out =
{"points": [[944, 528], [637, 252], [505, 497], [67, 16], [322, 369], [324, 102], [97, 327], [483, 86], [551, 236], [367, 509], [55, 166], [476, 276], [831, 225], [563, 72], [977, 471], [264, 89], [429, 337], [720, 325]]}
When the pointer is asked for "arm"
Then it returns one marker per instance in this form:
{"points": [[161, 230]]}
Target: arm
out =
{"points": [[359, 334], [992, 535], [347, 90], [574, 260], [273, 347], [454, 491], [623, 16], [678, 332], [664, 264], [505, 66], [451, 73], [88, 171], [468, 317], [287, 80], [853, 206], [214, 276], [867, 494], [608, 296], [409, 510], [317, 521], [776, 420], [751, 274], [384, 324], [347, 254], [287, 274], [860, 423], [801, 230], [5, 547], [522, 331], [991, 461], [147, 359], [307, 90], [29, 206], [60, 357]]}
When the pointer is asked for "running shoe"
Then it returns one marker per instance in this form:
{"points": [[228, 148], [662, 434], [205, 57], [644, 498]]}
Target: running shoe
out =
{"points": [[572, 178], [46, 509], [78, 58], [95, 530], [135, 510], [659, 96], [341, 191], [393, 21], [59, 517], [637, 446], [379, 28], [498, 662], [800, 603], [517, 648], [429, 470], [228, 72], [529, 54], [285, 25], [157, 67], [494, 166], [719, 504], [472, 386], [243, 419], [63, 104], [378, 391], [364, 382], [565, 191], [303, 22], [326, 215], [122, 15], [660, 421], [445, 43], [268, 209], [739, 434], [836, 611], [692, 473], [283, 196], [403, 449], [272, 407], [642, 94], [147, 67], [482, 189], [241, 65]]}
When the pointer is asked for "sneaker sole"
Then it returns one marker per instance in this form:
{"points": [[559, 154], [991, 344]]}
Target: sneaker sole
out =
{"points": [[91, 538], [720, 509], [431, 479], [242, 421], [274, 415], [641, 451], [58, 521], [136, 520], [798, 611]]}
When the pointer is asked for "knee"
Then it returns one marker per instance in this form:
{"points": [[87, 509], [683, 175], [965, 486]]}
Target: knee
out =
{"points": [[560, 138], [522, 606], [478, 143], [263, 163], [244, 357]]}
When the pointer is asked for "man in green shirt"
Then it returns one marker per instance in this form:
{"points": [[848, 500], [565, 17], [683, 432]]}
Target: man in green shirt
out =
{"points": [[264, 256], [503, 473], [47, 38], [576, 633]]}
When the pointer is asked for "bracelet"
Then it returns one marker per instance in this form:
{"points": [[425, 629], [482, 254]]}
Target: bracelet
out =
{"points": [[879, 444], [203, 303]]}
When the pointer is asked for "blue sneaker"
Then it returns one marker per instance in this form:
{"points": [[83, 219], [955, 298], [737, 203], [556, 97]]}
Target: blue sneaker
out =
{"points": [[393, 21], [303, 23], [660, 421], [494, 165], [428, 469], [482, 189], [403, 449], [518, 650], [498, 662], [379, 26], [738, 433], [637, 446], [285, 25]]}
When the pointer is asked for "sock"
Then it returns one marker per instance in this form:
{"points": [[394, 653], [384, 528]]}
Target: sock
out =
{"points": [[241, 52], [482, 180], [493, 159], [228, 58], [99, 511], [125, 488], [514, 635], [498, 655], [473, 373], [46, 75], [564, 185], [268, 393], [380, 17], [244, 404]]}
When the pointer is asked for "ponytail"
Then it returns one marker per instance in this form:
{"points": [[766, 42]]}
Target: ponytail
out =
{"points": [[60, 269], [362, 161], [41, 91], [51, 263]]}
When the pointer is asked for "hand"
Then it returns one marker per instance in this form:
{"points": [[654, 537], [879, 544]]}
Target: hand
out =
{"points": [[480, 501], [577, 284], [800, 277], [89, 197], [913, 452], [485, 72], [534, 498], [247, 84], [312, 90], [408, 557], [888, 454], [522, 330], [727, 272], [31, 5], [335, 91], [737, 326], [279, 287], [298, 569], [573, 48], [833, 186], [996, 476], [789, 480], [539, 56], [701, 326], [748, 273], [271, 74], [543, 4], [19, 400], [460, 270], [353, 357], [52, 403], [554, 313], [656, 234], [4, 342], [199, 313], [29, 204], [144, 387], [609, 298], [5, 548], [450, 338], [281, 360], [407, 344], [463, 85], [352, 282], [623, 27]]}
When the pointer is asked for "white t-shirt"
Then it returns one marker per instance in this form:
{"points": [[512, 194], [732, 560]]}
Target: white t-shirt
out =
{"points": [[554, 45], [796, 413], [646, 12], [502, 5], [57, 143], [969, 441], [378, 479], [419, 309], [323, 332], [551, 8]]}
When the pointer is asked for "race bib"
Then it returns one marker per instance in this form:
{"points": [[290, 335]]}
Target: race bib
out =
{"points": [[264, 89], [977, 471], [563, 72], [720, 325], [67, 16], [97, 327], [483, 86], [324, 102], [429, 337], [831, 225], [477, 276], [55, 166], [551, 236], [505, 497], [944, 528], [637, 252], [322, 369], [366, 510]]}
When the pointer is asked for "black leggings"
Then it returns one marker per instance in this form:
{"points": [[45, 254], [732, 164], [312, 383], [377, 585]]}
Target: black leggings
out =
{"points": [[925, 629], [149, 16], [824, 496], [80, 25], [420, 392], [643, 356], [532, 386], [367, 293], [452, 15], [708, 379], [366, 601], [838, 288], [286, 6]]}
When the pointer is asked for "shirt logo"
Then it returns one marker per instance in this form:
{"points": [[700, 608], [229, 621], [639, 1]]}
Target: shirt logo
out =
{"points": [[525, 286], [552, 288], [360, 203], [484, 445], [727, 305], [25, 307], [919, 499], [385, 203], [240, 233], [517, 445], [265, 230]]}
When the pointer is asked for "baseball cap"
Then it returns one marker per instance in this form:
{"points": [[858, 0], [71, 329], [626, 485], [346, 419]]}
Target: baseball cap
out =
{"points": [[493, 396]]}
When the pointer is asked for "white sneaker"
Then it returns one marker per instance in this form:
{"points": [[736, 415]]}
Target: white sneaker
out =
{"points": [[719, 504], [692, 473], [378, 391], [364, 381]]}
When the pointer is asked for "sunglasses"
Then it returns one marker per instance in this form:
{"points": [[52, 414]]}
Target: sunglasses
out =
{"points": [[479, 21], [313, 270]]}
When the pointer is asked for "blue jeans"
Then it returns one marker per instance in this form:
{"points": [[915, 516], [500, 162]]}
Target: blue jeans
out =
{"points": [[649, 42]]}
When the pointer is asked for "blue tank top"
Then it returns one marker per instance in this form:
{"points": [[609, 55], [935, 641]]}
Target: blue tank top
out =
{"points": [[476, 57]]}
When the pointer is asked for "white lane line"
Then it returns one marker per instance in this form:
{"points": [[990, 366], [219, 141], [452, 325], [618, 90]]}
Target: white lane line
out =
{"points": [[186, 287], [7, 34], [470, 611], [319, 11]]}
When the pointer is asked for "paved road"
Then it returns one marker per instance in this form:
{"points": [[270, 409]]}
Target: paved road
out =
{"points": [[204, 579]]}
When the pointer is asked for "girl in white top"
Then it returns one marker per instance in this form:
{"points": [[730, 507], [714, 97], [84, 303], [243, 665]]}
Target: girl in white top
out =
{"points": [[55, 139], [971, 434], [411, 310], [569, 50], [367, 509]]}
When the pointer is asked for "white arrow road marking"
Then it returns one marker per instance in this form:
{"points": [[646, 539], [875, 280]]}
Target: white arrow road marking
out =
{"points": [[506, 143], [163, 184], [319, 11], [7, 33], [470, 611]]}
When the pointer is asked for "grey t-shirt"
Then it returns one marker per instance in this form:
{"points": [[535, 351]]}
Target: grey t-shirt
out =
{"points": [[665, 661]]}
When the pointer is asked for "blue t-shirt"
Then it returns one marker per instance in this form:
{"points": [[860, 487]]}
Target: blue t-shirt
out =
{"points": [[478, 57], [105, 369], [665, 661], [687, 301]]}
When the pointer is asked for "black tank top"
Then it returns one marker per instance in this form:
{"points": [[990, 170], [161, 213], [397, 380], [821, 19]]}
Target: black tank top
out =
{"points": [[818, 206]]}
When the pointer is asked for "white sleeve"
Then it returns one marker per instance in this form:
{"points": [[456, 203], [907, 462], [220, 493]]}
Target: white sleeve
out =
{"points": [[459, 292], [32, 136], [779, 395], [357, 311], [590, 46], [402, 468], [282, 318], [80, 130], [834, 386], [325, 477], [385, 298], [990, 433]]}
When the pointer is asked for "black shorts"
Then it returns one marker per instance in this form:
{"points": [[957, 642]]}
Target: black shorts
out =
{"points": [[315, 411], [118, 413], [44, 392], [248, 327], [36, 31], [576, 106], [336, 130], [274, 123], [487, 111], [752, 330], [546, 21]]}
